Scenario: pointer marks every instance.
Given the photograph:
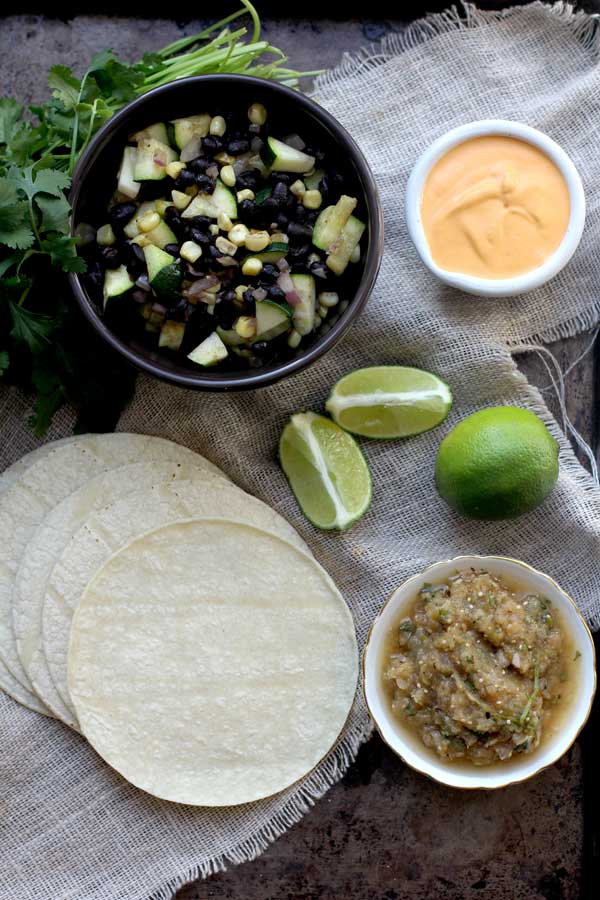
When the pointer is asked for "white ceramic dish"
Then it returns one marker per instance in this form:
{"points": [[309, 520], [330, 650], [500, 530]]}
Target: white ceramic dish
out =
{"points": [[501, 287], [408, 745]]}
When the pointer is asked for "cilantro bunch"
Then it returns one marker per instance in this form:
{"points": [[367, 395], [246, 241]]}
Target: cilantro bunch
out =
{"points": [[46, 347]]}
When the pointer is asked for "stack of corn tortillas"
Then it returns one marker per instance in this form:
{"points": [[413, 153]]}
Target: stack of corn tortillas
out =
{"points": [[179, 623]]}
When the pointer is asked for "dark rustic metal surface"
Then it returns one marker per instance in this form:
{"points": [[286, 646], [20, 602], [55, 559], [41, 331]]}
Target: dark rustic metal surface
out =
{"points": [[384, 832]]}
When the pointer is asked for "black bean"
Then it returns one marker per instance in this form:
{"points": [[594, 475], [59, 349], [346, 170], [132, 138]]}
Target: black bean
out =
{"points": [[174, 221], [236, 147], [281, 220], [200, 164], [282, 177], [318, 270], [247, 208], [297, 254], [205, 183], [200, 237], [110, 257], [260, 347], [298, 232], [250, 180], [225, 313], [215, 252], [280, 192], [155, 190], [269, 207], [311, 216], [275, 292], [249, 296], [201, 222], [179, 310], [135, 256], [120, 214], [212, 144], [299, 213], [228, 296], [185, 179], [173, 249], [269, 272]]}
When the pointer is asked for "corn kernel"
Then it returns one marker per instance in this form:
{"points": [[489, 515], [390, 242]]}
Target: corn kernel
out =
{"points": [[218, 126], [328, 299], [312, 199], [224, 222], [257, 114], [322, 310], [161, 206], [298, 188], [149, 221], [238, 234], [355, 255], [175, 168], [142, 240], [214, 229], [294, 339], [192, 190], [241, 290], [246, 194], [225, 246], [190, 251], [252, 267], [105, 236], [246, 326], [180, 200], [257, 241], [228, 176], [278, 237], [225, 158]]}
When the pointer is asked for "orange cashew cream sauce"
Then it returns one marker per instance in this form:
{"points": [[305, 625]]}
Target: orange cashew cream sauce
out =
{"points": [[494, 207]]}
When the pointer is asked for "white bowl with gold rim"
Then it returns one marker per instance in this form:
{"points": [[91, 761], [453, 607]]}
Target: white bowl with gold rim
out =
{"points": [[496, 287], [408, 745]]}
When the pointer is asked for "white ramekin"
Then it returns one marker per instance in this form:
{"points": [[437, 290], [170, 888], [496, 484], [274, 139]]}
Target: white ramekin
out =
{"points": [[501, 287], [408, 745]]}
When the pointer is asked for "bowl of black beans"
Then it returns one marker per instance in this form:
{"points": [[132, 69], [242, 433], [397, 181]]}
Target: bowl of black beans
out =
{"points": [[232, 232]]}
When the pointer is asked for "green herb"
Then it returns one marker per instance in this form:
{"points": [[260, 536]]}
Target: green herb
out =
{"points": [[409, 708], [406, 627], [492, 600], [532, 696], [577, 652], [45, 346]]}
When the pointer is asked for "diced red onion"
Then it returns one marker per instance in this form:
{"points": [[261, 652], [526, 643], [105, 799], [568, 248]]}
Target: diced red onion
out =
{"points": [[159, 308], [139, 296], [142, 283], [283, 265], [256, 144], [287, 286], [295, 141], [203, 284], [192, 149], [255, 162], [212, 171], [259, 294]]}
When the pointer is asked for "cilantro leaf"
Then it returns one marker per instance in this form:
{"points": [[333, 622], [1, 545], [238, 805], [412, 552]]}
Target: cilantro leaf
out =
{"points": [[10, 113], [46, 181], [30, 328], [15, 231], [64, 86], [50, 397], [55, 213], [63, 253], [4, 362]]}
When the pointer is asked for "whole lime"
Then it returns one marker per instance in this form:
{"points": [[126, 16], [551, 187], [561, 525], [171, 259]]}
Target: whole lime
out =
{"points": [[498, 463]]}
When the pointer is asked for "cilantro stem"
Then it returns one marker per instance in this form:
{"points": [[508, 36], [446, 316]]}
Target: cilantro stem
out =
{"points": [[532, 696]]}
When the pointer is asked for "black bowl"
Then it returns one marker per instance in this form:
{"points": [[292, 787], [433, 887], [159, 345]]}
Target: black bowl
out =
{"points": [[94, 183]]}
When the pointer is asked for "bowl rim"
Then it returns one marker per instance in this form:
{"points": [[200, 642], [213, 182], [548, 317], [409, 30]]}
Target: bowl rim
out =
{"points": [[426, 767], [252, 378], [518, 284]]}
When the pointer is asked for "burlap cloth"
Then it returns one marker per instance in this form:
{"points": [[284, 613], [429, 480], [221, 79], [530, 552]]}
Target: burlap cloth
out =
{"points": [[72, 829]]}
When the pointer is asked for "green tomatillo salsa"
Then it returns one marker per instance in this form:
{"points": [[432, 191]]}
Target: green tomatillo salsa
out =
{"points": [[477, 669]]}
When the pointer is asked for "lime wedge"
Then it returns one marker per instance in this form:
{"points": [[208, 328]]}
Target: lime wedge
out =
{"points": [[389, 401], [326, 471]]}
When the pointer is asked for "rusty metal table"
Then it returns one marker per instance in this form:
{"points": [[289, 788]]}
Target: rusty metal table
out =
{"points": [[384, 832]]}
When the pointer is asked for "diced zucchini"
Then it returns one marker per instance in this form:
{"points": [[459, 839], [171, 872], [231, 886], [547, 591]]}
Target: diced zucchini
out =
{"points": [[116, 282], [132, 228], [313, 181], [157, 132], [272, 319], [281, 157], [331, 220], [342, 249], [164, 272], [209, 352], [274, 252], [105, 236], [304, 312], [230, 337], [126, 184], [193, 126], [161, 235], [152, 159], [222, 200], [171, 335]]}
